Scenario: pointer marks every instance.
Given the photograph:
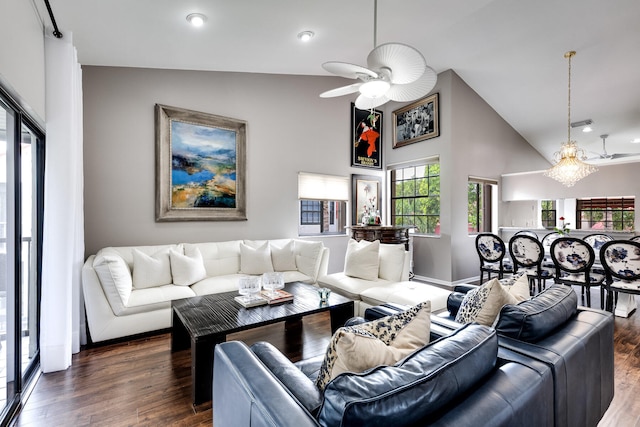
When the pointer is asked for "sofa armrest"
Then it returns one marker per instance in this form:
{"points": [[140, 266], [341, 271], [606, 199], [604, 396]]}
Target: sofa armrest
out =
{"points": [[247, 394]]}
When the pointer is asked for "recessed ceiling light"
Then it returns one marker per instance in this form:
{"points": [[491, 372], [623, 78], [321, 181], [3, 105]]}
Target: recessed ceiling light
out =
{"points": [[635, 141], [305, 36], [196, 19]]}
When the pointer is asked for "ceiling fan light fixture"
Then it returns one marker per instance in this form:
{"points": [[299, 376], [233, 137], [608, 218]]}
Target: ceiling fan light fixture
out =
{"points": [[587, 129], [374, 88], [569, 167], [196, 19], [635, 141]]}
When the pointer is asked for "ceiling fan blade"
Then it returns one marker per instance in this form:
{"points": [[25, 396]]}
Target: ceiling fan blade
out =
{"points": [[350, 71], [366, 103], [405, 63], [414, 90], [340, 91], [621, 155]]}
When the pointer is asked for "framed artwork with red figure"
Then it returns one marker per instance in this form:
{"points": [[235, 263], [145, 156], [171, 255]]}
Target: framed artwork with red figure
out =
{"points": [[366, 138]]}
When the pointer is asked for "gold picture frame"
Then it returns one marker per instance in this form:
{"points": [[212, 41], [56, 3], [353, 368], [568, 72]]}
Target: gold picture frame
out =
{"points": [[416, 122]]}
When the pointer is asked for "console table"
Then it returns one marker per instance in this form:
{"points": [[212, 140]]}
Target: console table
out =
{"points": [[395, 234]]}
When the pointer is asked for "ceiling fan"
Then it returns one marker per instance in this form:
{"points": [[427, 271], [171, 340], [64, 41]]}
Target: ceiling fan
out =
{"points": [[606, 156], [394, 72]]}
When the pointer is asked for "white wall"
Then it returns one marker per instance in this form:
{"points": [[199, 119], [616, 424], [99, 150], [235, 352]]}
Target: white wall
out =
{"points": [[22, 55]]}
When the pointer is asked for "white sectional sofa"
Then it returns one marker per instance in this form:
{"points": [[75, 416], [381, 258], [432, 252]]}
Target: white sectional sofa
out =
{"points": [[128, 290], [376, 273]]}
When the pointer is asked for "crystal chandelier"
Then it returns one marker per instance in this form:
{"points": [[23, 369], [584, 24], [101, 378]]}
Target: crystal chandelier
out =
{"points": [[569, 167]]}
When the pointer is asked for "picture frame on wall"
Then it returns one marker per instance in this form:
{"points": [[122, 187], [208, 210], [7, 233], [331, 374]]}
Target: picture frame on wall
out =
{"points": [[366, 192], [366, 138], [200, 166], [416, 122]]}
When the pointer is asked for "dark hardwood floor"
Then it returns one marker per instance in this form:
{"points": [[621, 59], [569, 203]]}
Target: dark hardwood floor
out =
{"points": [[142, 383]]}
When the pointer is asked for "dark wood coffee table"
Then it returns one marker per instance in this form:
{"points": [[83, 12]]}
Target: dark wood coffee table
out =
{"points": [[202, 322]]}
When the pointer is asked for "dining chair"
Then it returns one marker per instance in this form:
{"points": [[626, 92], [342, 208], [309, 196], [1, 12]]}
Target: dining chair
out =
{"points": [[491, 251], [597, 240], [573, 259], [526, 233], [635, 238], [546, 244], [527, 254], [621, 262]]}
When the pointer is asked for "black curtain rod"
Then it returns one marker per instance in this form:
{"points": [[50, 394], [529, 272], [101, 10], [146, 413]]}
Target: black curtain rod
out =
{"points": [[56, 32]]}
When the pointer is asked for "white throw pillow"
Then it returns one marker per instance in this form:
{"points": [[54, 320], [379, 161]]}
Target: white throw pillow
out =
{"points": [[283, 259], [255, 261], [308, 257], [151, 271], [115, 278], [519, 289], [391, 262], [362, 259], [187, 269]]}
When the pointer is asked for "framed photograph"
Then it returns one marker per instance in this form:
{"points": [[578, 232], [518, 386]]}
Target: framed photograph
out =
{"points": [[366, 138], [200, 166], [366, 193], [416, 122]]}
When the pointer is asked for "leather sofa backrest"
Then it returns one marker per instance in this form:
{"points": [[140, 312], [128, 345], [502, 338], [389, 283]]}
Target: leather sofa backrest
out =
{"points": [[534, 319], [419, 385]]}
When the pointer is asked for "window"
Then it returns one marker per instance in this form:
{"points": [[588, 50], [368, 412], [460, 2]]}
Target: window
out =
{"points": [[415, 197], [480, 201], [323, 207], [611, 214], [548, 213]]}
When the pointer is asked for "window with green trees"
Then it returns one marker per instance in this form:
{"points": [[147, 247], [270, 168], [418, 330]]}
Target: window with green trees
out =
{"points": [[479, 193], [613, 214], [548, 213], [415, 197]]}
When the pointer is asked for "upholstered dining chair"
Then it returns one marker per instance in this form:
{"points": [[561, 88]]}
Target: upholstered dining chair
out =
{"points": [[526, 233], [546, 244], [635, 238], [491, 251], [596, 241], [573, 259], [621, 262], [527, 254]]}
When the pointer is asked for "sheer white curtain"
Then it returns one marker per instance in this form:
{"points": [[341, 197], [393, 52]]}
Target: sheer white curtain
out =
{"points": [[62, 317]]}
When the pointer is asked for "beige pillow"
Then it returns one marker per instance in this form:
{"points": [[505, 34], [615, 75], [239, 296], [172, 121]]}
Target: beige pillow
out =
{"points": [[151, 270], [308, 257], [187, 269], [482, 305], [362, 259], [519, 289], [380, 342], [391, 261], [283, 259], [255, 260]]}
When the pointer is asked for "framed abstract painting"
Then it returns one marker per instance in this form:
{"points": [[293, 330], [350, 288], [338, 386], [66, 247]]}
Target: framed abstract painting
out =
{"points": [[200, 166]]}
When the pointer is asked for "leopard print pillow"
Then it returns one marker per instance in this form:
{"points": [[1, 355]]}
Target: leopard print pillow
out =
{"points": [[382, 334]]}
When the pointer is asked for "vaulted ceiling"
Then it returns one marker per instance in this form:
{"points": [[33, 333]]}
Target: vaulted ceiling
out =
{"points": [[510, 52]]}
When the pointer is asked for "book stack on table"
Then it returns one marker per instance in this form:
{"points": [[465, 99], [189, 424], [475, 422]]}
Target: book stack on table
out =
{"points": [[280, 296]]}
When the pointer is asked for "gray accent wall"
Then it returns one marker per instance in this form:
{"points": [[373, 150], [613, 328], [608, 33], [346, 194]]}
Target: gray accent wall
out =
{"points": [[290, 129]]}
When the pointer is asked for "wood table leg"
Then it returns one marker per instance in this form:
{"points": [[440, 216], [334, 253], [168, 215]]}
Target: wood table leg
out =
{"points": [[202, 367], [179, 335], [340, 314]]}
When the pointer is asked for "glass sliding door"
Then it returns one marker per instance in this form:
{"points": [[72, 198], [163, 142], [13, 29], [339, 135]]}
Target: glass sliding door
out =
{"points": [[21, 202]]}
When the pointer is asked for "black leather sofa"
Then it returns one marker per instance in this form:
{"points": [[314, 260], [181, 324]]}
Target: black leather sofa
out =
{"points": [[556, 368]]}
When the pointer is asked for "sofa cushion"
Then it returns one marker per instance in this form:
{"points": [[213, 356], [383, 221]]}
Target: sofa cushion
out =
{"points": [[407, 293], [536, 318], [483, 303], [391, 262], [283, 257], [115, 278], [416, 387], [380, 342], [255, 260], [151, 270], [187, 269], [308, 257], [362, 259], [220, 258]]}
